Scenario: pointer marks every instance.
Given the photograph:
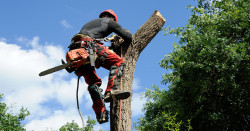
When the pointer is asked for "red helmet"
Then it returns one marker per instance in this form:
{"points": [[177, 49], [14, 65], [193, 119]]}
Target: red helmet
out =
{"points": [[110, 12]]}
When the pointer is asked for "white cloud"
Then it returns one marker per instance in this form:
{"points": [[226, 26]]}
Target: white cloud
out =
{"points": [[22, 86], [2, 39], [56, 120], [137, 104], [65, 24], [136, 85]]}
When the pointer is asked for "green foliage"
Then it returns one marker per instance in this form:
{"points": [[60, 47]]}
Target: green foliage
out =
{"points": [[90, 124], [209, 82], [74, 126], [70, 127], [9, 121], [156, 115], [171, 124]]}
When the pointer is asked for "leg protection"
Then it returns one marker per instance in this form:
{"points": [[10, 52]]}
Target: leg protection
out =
{"points": [[97, 98], [114, 73], [113, 84], [95, 92], [120, 70]]}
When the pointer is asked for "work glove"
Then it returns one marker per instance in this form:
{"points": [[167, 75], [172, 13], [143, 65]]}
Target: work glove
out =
{"points": [[115, 42]]}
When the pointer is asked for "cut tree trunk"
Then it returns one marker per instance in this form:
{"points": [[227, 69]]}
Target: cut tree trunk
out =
{"points": [[121, 121]]}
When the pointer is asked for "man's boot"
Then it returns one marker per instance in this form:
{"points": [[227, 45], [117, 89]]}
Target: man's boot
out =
{"points": [[116, 95], [102, 117]]}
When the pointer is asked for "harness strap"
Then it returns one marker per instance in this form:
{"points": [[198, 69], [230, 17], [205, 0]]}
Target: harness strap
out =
{"points": [[91, 53], [81, 37], [80, 41], [104, 56], [86, 39]]}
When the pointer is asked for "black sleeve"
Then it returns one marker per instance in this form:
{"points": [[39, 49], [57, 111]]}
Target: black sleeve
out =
{"points": [[116, 28]]}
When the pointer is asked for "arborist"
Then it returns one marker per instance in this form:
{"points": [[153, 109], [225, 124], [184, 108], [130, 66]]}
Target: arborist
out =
{"points": [[101, 56]]}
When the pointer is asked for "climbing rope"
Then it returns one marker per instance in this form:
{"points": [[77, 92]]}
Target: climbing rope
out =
{"points": [[78, 103], [120, 114]]}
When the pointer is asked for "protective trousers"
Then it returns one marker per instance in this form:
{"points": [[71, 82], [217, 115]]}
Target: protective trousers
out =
{"points": [[108, 60]]}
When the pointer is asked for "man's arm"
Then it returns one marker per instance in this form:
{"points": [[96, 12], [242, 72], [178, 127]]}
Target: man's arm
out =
{"points": [[122, 32]]}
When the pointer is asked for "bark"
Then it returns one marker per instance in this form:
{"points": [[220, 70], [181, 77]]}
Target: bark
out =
{"points": [[130, 53]]}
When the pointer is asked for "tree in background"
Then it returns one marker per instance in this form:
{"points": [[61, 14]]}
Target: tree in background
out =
{"points": [[71, 127], [9, 121], [209, 72], [74, 126], [157, 116]]}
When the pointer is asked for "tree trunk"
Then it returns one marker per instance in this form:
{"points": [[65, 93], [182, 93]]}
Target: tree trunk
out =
{"points": [[130, 53]]}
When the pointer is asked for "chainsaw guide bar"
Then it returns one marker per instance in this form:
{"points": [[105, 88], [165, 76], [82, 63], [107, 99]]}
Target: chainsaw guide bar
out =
{"points": [[54, 69]]}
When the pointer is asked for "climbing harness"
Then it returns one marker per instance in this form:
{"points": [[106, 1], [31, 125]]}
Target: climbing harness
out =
{"points": [[82, 46], [85, 43]]}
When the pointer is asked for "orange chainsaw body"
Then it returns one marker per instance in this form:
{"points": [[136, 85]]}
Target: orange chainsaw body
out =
{"points": [[78, 57]]}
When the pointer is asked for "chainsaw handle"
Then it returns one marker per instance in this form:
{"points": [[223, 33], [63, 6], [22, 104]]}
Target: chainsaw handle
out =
{"points": [[68, 69]]}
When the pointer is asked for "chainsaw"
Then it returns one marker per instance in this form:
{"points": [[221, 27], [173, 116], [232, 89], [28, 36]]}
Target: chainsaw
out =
{"points": [[76, 58]]}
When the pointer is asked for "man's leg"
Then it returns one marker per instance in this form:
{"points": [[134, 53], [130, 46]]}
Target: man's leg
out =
{"points": [[98, 104], [114, 63], [112, 91], [94, 83]]}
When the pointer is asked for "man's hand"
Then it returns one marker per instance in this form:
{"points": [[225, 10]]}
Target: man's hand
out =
{"points": [[68, 69], [114, 38], [116, 41]]}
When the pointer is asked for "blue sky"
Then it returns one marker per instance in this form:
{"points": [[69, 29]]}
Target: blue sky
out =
{"points": [[34, 36]]}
